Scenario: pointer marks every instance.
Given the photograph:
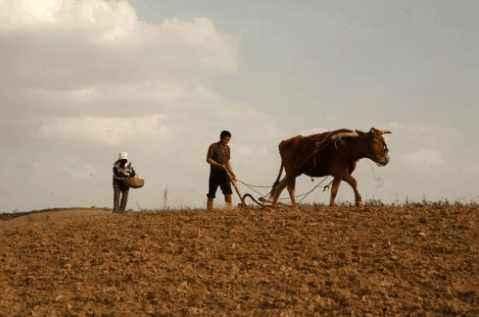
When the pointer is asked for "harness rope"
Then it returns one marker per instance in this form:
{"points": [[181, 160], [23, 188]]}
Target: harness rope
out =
{"points": [[300, 197]]}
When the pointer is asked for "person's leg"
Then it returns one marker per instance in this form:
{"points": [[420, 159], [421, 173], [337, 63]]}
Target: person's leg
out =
{"points": [[212, 188], [124, 199], [210, 204], [116, 198], [227, 191], [229, 201]]}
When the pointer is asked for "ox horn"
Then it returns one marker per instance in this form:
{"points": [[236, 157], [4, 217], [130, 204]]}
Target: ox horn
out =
{"points": [[386, 132]]}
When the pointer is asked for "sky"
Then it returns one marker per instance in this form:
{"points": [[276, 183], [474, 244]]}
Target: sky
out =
{"points": [[81, 81]]}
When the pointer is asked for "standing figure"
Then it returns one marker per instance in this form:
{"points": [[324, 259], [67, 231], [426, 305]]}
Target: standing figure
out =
{"points": [[221, 173], [122, 170]]}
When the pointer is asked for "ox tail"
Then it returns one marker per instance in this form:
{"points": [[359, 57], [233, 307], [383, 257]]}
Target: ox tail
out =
{"points": [[277, 178]]}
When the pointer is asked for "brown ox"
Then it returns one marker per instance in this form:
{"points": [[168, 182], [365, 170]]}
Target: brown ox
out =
{"points": [[333, 153]]}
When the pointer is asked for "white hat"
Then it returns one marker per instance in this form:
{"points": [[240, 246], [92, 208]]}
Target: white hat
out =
{"points": [[123, 156]]}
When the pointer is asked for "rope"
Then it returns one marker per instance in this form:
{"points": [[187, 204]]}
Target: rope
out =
{"points": [[252, 185], [300, 197], [305, 195], [253, 188]]}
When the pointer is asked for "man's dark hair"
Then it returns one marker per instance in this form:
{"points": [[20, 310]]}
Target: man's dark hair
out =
{"points": [[225, 134]]}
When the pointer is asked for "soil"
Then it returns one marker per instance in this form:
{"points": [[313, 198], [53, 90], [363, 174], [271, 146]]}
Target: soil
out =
{"points": [[413, 260]]}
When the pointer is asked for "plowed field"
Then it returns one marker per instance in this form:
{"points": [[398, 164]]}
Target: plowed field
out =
{"points": [[419, 260]]}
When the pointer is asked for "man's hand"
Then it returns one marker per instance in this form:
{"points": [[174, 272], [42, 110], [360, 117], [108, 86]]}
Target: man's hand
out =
{"points": [[213, 162], [230, 173]]}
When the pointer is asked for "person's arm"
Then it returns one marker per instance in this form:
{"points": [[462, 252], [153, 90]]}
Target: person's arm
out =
{"points": [[228, 167], [121, 173], [117, 174], [133, 172], [209, 158]]}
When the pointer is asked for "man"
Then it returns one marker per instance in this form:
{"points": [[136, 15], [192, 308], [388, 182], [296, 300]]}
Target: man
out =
{"points": [[220, 170], [122, 169]]}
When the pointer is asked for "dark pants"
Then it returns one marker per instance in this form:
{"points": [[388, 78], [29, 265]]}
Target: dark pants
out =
{"points": [[120, 193], [219, 178]]}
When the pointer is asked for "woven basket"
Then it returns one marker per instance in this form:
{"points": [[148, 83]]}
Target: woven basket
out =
{"points": [[136, 182]]}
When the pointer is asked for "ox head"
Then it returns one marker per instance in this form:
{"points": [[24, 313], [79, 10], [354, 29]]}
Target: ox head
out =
{"points": [[378, 150]]}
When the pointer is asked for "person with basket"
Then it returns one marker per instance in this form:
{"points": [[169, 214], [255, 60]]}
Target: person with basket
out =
{"points": [[122, 171]]}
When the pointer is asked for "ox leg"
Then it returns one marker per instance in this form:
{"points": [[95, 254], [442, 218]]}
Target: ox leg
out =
{"points": [[278, 190], [334, 190], [291, 185], [354, 184]]}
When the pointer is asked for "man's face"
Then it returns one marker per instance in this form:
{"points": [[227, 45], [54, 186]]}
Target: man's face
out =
{"points": [[225, 140]]}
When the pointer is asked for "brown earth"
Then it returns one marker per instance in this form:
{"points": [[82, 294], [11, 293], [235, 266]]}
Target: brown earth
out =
{"points": [[418, 260]]}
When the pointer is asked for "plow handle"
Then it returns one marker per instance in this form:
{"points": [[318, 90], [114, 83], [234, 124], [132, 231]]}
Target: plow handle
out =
{"points": [[235, 186]]}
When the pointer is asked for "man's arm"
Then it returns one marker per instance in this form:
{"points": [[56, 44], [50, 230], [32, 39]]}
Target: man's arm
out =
{"points": [[117, 174], [209, 158], [213, 162], [228, 167]]}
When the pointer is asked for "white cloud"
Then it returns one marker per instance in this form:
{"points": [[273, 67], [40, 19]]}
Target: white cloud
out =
{"points": [[61, 60], [70, 44], [27, 15], [85, 79], [111, 131]]}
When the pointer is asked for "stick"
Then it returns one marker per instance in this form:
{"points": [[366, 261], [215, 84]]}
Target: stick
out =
{"points": [[235, 186]]}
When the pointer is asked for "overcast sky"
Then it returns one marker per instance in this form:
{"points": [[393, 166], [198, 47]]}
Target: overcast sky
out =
{"points": [[82, 80]]}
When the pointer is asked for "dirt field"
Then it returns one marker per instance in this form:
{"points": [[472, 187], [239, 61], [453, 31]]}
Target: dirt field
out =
{"points": [[314, 261]]}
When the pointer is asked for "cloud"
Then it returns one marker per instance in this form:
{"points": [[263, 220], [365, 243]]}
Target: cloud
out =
{"points": [[50, 14], [82, 80], [69, 44], [97, 58], [110, 131]]}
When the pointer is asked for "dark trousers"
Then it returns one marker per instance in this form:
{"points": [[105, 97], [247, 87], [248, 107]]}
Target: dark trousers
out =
{"points": [[120, 197], [219, 178]]}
